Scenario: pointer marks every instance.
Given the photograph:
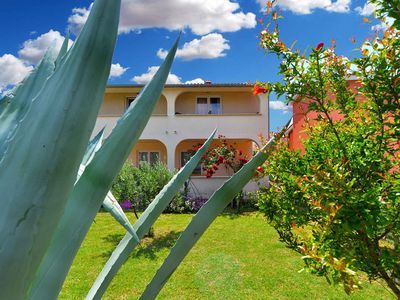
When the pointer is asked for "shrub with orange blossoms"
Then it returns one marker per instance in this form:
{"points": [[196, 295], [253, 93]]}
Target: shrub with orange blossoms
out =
{"points": [[343, 193]]}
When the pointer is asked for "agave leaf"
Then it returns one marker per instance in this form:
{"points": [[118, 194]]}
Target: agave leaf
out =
{"points": [[63, 50], [14, 106], [144, 223], [202, 220], [92, 187], [93, 147], [111, 205], [38, 171]]}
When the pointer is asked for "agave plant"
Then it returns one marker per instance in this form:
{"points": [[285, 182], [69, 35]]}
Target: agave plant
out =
{"points": [[53, 184]]}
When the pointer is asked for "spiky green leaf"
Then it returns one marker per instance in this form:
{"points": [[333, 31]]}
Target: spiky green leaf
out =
{"points": [[92, 187], [144, 223], [202, 220], [39, 169], [111, 205], [14, 106]]}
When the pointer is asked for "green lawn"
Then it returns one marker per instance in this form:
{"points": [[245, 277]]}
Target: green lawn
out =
{"points": [[239, 257]]}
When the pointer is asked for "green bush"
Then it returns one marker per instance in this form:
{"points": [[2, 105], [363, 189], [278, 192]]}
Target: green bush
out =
{"points": [[140, 185]]}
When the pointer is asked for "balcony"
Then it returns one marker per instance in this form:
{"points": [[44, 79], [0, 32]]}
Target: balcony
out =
{"points": [[194, 126]]}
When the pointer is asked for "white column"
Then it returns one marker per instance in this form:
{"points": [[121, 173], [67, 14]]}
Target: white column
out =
{"points": [[171, 155], [171, 97]]}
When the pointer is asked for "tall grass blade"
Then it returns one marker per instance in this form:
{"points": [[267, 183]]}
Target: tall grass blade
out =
{"points": [[144, 223], [202, 220]]}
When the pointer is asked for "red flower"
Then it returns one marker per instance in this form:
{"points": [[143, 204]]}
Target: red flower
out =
{"points": [[258, 90], [220, 159], [319, 46], [240, 152], [260, 169]]}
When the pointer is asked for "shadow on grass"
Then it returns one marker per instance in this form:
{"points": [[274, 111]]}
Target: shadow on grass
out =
{"points": [[151, 246], [148, 248]]}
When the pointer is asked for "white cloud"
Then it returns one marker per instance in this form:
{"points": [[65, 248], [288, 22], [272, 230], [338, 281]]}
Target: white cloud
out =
{"points": [[367, 10], [33, 50], [339, 6], [304, 7], [13, 70], [383, 25], [78, 19], [117, 70], [279, 105], [195, 81], [151, 71], [209, 46], [201, 16]]}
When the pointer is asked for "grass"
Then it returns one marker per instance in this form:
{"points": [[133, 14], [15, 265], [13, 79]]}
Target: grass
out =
{"points": [[239, 257]]}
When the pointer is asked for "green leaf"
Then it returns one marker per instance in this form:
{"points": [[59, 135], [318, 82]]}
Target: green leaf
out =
{"points": [[14, 107], [203, 219], [92, 187], [93, 147], [39, 169], [144, 223], [111, 205], [63, 50]]}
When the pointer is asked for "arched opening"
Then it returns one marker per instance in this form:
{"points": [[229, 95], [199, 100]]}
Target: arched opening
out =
{"points": [[161, 107], [149, 151], [183, 150]]}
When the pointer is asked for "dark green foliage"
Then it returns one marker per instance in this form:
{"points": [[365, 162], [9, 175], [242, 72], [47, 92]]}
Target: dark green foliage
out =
{"points": [[140, 185]]}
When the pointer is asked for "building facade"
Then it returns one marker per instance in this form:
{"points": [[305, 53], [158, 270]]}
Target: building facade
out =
{"points": [[185, 116]]}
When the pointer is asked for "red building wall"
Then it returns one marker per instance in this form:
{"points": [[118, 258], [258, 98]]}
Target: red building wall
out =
{"points": [[300, 115]]}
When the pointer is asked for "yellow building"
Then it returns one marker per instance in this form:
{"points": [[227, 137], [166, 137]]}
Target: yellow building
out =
{"points": [[185, 116]]}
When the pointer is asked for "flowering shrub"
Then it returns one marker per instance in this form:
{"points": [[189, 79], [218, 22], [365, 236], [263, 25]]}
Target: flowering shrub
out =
{"points": [[221, 155], [138, 186], [338, 203], [126, 204]]}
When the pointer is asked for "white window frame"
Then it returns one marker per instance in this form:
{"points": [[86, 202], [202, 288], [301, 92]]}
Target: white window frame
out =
{"points": [[148, 156], [208, 97]]}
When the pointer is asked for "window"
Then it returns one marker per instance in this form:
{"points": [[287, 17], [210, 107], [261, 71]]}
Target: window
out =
{"points": [[208, 105], [148, 156], [129, 100], [185, 157]]}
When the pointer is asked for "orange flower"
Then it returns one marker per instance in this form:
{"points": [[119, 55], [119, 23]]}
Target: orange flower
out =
{"points": [[258, 90], [319, 46]]}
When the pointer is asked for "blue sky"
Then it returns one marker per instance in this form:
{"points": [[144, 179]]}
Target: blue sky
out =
{"points": [[219, 41]]}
